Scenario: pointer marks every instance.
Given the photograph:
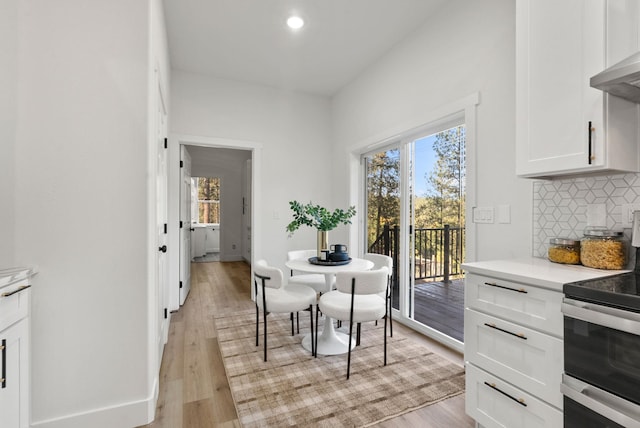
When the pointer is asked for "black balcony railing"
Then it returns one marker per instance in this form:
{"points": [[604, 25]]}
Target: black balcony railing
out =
{"points": [[439, 252]]}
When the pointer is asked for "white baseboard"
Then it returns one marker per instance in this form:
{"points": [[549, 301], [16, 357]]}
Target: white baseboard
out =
{"points": [[124, 415], [231, 258]]}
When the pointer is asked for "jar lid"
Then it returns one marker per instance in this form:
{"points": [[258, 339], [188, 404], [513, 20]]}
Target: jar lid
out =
{"points": [[564, 241], [602, 233]]}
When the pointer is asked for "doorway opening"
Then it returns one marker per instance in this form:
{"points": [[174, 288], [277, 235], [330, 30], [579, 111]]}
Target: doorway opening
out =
{"points": [[205, 219], [238, 165]]}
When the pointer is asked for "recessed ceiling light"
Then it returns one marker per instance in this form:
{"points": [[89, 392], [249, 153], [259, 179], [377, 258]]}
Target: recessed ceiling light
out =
{"points": [[295, 22]]}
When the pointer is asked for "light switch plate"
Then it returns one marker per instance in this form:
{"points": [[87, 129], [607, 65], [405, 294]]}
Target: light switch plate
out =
{"points": [[626, 218], [504, 213], [483, 214]]}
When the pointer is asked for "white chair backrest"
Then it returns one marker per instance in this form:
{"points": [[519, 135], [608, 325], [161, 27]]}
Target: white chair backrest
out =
{"points": [[301, 254], [276, 279], [367, 282], [380, 260]]}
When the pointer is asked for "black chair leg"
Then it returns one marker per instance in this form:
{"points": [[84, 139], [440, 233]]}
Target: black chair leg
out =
{"points": [[349, 352], [390, 318], [264, 316], [316, 339], [298, 322], [353, 289], [385, 339], [358, 328], [313, 344], [291, 318], [257, 325]]}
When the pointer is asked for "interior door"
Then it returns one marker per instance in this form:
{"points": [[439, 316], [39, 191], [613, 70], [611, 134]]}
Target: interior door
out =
{"points": [[185, 222], [162, 224]]}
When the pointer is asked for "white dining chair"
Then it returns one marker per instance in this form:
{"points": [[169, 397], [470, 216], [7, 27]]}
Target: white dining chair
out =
{"points": [[357, 299], [274, 295], [314, 280], [380, 260]]}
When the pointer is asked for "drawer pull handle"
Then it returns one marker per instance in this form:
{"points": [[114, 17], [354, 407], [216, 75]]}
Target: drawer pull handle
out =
{"points": [[518, 335], [517, 400], [17, 290], [517, 290], [3, 378]]}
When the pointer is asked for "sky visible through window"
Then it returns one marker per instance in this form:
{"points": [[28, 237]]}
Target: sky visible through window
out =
{"points": [[425, 163]]}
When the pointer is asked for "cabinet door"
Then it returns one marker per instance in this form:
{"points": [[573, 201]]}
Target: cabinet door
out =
{"points": [[533, 307], [526, 358], [14, 395], [494, 403], [559, 46]]}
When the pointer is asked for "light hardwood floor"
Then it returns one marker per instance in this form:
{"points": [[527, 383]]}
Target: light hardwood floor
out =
{"points": [[194, 391]]}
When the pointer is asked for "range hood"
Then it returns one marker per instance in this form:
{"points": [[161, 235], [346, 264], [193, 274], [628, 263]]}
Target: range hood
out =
{"points": [[621, 79]]}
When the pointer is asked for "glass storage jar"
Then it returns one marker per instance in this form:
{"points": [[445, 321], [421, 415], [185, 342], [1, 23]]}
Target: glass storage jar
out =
{"points": [[603, 249], [564, 250]]}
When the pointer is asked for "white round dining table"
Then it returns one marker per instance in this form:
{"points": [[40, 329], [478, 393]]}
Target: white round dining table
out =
{"points": [[330, 341]]}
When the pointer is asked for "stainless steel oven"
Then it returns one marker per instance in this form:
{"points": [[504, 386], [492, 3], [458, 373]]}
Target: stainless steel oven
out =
{"points": [[601, 381]]}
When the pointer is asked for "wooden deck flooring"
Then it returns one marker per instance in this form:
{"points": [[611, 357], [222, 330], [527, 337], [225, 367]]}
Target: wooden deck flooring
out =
{"points": [[440, 306]]}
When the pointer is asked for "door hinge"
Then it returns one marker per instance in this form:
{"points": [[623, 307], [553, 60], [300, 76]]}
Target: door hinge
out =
{"points": [[165, 228], [165, 143], [410, 229], [180, 284], [180, 224], [181, 164], [166, 313]]}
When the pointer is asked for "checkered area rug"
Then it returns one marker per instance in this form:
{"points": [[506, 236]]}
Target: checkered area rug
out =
{"points": [[294, 389]]}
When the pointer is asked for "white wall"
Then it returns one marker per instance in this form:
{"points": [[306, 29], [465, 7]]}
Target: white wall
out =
{"points": [[8, 111], [468, 47], [294, 132], [81, 210]]}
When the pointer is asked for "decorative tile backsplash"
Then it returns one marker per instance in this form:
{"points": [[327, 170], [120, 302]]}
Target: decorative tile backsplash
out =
{"points": [[560, 206]]}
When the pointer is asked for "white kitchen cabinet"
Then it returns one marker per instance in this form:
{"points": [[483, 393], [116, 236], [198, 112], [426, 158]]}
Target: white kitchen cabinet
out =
{"points": [[522, 356], [15, 298], [515, 302], [563, 126], [513, 331], [496, 403], [198, 241], [212, 238], [513, 350]]}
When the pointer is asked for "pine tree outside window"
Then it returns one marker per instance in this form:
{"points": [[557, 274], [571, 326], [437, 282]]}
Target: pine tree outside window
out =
{"points": [[208, 208]]}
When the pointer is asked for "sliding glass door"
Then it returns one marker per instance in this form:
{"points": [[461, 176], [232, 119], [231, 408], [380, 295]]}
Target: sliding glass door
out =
{"points": [[415, 198], [383, 201]]}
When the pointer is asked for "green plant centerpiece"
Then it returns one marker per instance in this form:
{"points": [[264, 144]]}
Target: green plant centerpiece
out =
{"points": [[320, 219]]}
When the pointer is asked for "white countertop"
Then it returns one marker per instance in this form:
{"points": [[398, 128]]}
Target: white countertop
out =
{"points": [[537, 271], [11, 275]]}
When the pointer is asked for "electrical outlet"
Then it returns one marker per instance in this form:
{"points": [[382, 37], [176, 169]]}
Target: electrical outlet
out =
{"points": [[627, 214]]}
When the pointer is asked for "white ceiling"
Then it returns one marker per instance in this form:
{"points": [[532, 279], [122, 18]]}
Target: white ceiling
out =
{"points": [[248, 40]]}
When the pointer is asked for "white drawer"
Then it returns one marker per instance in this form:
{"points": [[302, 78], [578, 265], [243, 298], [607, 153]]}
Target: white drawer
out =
{"points": [[494, 403], [14, 302], [533, 307], [528, 359]]}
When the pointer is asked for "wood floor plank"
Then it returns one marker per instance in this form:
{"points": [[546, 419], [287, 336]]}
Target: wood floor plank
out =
{"points": [[173, 359], [199, 414], [223, 406], [169, 407]]}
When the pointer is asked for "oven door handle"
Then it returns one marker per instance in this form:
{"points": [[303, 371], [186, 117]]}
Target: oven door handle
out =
{"points": [[617, 319], [606, 404]]}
